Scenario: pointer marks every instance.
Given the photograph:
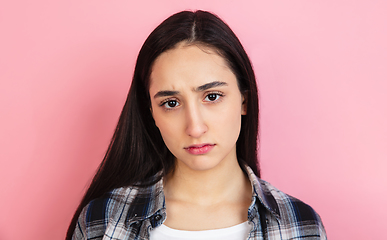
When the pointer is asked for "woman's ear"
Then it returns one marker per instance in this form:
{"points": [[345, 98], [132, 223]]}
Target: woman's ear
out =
{"points": [[244, 105]]}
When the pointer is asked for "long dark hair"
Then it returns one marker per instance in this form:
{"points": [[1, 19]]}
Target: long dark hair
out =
{"points": [[137, 151]]}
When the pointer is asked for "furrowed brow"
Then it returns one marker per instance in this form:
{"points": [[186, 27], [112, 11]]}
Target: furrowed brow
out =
{"points": [[210, 85], [165, 93]]}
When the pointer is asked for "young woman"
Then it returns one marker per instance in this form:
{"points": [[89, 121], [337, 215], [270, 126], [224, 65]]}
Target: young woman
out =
{"points": [[182, 163]]}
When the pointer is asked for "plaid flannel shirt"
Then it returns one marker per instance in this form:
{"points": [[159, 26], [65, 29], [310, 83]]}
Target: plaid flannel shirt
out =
{"points": [[132, 212]]}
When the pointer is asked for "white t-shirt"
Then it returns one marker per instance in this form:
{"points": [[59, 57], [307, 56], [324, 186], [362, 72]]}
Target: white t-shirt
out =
{"points": [[237, 232]]}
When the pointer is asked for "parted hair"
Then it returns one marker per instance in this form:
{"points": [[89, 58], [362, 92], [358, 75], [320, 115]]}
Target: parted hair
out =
{"points": [[137, 151]]}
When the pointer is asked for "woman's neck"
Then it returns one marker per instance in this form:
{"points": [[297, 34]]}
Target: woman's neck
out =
{"points": [[225, 182], [210, 199]]}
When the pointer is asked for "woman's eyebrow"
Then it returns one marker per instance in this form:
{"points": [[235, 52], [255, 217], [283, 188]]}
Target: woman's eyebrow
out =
{"points": [[166, 93], [210, 85]]}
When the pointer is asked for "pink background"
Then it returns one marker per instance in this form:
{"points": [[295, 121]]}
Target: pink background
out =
{"points": [[65, 69]]}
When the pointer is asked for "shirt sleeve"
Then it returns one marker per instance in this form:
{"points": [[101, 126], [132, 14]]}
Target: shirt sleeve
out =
{"points": [[80, 228], [323, 234], [92, 221]]}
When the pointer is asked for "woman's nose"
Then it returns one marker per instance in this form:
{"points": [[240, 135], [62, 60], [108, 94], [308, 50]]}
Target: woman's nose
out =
{"points": [[196, 125]]}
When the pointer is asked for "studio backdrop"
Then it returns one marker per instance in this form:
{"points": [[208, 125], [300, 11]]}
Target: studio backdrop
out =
{"points": [[66, 67]]}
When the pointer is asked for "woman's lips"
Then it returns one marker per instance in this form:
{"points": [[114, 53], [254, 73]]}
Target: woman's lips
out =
{"points": [[198, 149]]}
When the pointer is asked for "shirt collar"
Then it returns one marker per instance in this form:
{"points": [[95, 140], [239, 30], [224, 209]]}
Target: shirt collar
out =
{"points": [[150, 201], [262, 193]]}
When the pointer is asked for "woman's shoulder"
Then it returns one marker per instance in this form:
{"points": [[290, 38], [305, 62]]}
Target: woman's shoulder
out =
{"points": [[121, 206], [291, 211], [285, 201], [111, 201], [129, 198], [280, 204]]}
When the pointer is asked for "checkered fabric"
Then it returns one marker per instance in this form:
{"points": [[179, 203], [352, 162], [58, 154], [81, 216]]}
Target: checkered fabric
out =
{"points": [[132, 212]]}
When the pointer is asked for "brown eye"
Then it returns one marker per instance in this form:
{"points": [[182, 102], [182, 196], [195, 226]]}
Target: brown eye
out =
{"points": [[171, 104], [212, 97]]}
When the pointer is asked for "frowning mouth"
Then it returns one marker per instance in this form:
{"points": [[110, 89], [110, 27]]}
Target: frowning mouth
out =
{"points": [[199, 149]]}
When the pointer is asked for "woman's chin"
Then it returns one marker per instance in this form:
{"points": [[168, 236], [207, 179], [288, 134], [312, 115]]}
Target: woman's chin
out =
{"points": [[199, 163]]}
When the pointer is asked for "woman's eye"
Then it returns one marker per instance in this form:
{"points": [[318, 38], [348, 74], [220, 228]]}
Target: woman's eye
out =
{"points": [[212, 97], [171, 104]]}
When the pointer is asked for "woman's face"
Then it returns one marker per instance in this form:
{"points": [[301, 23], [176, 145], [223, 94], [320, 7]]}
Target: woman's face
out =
{"points": [[197, 106]]}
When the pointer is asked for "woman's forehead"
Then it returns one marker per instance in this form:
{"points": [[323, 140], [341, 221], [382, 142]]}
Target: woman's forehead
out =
{"points": [[189, 66]]}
